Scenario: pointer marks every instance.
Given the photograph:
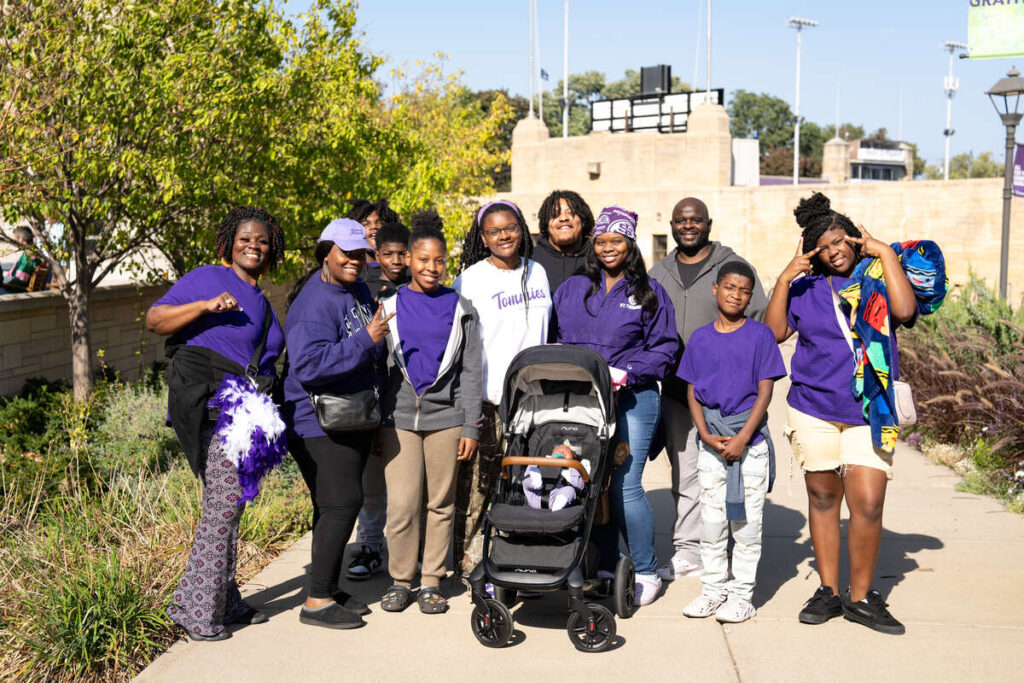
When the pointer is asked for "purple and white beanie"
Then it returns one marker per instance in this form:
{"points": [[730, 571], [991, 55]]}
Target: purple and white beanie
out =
{"points": [[618, 220]]}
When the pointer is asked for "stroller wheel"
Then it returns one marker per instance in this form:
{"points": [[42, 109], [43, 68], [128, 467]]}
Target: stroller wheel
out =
{"points": [[506, 596], [625, 588], [593, 634], [492, 625]]}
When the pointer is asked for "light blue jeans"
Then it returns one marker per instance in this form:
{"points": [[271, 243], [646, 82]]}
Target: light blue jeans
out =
{"points": [[638, 411]]}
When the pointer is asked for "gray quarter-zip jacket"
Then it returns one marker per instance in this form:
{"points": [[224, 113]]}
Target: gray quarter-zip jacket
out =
{"points": [[695, 306], [454, 397]]}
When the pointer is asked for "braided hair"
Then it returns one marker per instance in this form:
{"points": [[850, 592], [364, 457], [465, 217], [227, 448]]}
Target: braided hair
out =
{"points": [[362, 208], [633, 270], [816, 217], [474, 251], [242, 214], [551, 207]]}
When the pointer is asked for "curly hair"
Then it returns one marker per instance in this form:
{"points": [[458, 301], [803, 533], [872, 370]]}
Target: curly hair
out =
{"points": [[474, 251], [362, 208], [816, 217], [551, 207], [427, 218], [242, 214], [634, 271]]}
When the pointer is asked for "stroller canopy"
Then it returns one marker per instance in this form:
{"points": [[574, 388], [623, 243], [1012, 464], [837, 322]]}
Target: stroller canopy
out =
{"points": [[538, 367]]}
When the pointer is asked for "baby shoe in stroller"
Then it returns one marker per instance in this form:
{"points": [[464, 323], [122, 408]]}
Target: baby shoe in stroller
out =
{"points": [[647, 588]]}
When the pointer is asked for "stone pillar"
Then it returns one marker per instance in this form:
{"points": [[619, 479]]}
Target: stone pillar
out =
{"points": [[835, 162], [708, 139], [528, 138], [908, 160]]}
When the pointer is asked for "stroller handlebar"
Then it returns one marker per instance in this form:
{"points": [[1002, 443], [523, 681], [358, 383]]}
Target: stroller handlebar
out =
{"points": [[543, 462]]}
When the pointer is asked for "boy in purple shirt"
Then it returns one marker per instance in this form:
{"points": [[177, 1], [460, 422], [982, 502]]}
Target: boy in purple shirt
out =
{"points": [[731, 365]]}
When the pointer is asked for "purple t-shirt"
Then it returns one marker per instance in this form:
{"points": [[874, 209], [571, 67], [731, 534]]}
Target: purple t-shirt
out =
{"points": [[725, 367], [823, 364], [424, 325], [233, 334]]}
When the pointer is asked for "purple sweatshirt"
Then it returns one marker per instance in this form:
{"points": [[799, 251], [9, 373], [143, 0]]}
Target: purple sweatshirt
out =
{"points": [[644, 345], [322, 357]]}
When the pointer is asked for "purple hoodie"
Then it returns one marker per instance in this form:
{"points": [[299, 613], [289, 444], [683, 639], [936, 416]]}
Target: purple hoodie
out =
{"points": [[626, 336]]}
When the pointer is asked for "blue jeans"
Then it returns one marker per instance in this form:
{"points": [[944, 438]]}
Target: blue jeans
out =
{"points": [[639, 410]]}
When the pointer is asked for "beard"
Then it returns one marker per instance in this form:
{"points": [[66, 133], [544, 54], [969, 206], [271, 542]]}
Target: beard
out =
{"points": [[702, 241]]}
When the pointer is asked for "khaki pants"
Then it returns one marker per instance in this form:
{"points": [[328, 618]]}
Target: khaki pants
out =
{"points": [[414, 461], [475, 481]]}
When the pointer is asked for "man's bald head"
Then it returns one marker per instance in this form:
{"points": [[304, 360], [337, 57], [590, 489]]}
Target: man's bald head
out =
{"points": [[691, 226]]}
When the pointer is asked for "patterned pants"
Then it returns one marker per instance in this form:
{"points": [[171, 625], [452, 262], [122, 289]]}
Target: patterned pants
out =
{"points": [[207, 597], [473, 491]]}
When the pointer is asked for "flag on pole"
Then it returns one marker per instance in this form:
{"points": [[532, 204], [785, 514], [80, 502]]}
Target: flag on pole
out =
{"points": [[544, 75], [1018, 172]]}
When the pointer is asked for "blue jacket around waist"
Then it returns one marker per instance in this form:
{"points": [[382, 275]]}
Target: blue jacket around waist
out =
{"points": [[719, 424]]}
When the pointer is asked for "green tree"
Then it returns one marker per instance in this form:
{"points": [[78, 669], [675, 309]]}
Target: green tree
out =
{"points": [[966, 165], [129, 128], [764, 116]]}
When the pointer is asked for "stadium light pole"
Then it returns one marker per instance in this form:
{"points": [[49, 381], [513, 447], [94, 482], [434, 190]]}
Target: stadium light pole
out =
{"points": [[530, 2], [565, 73], [952, 85], [1007, 97], [799, 23]]}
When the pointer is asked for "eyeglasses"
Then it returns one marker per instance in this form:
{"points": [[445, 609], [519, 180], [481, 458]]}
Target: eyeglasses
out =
{"points": [[507, 230]]}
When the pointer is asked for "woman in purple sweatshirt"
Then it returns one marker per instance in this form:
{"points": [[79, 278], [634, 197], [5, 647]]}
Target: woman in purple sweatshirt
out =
{"points": [[333, 348], [615, 309]]}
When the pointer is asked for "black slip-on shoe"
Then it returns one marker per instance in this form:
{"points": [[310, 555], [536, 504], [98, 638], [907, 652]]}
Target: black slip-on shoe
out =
{"points": [[332, 616], [872, 612], [192, 635], [823, 606], [350, 602], [251, 616]]}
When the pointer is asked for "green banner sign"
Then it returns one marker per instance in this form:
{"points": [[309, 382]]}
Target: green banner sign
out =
{"points": [[995, 28]]}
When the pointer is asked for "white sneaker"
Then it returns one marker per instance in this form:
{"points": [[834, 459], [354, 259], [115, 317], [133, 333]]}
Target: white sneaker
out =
{"points": [[734, 611], [647, 588], [702, 606], [677, 568]]}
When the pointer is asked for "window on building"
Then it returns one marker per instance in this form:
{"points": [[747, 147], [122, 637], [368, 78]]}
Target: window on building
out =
{"points": [[659, 248]]}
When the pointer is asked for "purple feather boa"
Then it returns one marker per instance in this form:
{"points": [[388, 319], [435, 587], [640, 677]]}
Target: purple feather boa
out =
{"points": [[241, 405]]}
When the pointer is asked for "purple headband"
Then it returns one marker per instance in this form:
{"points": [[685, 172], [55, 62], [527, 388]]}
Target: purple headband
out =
{"points": [[618, 220], [480, 213]]}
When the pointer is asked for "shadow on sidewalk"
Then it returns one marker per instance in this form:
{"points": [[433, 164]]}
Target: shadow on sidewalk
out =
{"points": [[781, 554], [894, 557]]}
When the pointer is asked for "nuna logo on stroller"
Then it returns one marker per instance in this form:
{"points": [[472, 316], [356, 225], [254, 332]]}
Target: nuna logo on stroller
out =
{"points": [[558, 410]]}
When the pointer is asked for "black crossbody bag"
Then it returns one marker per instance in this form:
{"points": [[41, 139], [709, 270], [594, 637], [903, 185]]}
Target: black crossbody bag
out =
{"points": [[339, 413]]}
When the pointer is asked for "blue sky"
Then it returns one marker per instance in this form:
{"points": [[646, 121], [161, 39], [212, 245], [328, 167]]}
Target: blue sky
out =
{"points": [[873, 48]]}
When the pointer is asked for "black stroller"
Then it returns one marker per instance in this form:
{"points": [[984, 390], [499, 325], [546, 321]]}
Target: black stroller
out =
{"points": [[553, 395]]}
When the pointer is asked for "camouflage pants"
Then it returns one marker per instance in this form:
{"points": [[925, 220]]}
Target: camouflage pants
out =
{"points": [[473, 492]]}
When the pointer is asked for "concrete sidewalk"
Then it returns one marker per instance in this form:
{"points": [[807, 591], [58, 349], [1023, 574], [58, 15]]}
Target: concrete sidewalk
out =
{"points": [[951, 565]]}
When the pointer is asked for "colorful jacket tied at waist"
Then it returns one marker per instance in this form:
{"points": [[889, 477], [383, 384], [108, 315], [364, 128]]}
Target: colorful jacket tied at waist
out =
{"points": [[866, 292]]}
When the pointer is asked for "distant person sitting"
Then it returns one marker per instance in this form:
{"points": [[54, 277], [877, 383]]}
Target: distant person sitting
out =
{"points": [[562, 494], [17, 280]]}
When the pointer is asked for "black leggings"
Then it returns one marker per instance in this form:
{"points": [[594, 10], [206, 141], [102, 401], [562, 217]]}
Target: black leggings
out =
{"points": [[333, 469]]}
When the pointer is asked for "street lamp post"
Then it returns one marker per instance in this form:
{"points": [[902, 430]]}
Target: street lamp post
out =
{"points": [[1007, 95], [798, 23]]}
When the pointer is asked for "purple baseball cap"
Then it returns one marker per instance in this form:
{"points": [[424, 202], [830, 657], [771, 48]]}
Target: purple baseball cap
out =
{"points": [[618, 220], [348, 234]]}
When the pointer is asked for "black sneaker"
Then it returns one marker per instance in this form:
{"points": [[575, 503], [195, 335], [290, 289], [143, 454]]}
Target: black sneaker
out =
{"points": [[872, 612], [331, 616], [366, 563], [822, 606]]}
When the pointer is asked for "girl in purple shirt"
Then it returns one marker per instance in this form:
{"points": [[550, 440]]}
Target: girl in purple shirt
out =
{"points": [[827, 429], [615, 309]]}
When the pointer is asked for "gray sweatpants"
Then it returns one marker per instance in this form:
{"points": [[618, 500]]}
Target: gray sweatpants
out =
{"points": [[681, 446]]}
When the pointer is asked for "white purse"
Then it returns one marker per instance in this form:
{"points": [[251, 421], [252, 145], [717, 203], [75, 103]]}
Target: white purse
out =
{"points": [[906, 412]]}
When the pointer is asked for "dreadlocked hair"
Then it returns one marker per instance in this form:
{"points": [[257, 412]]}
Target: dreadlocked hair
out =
{"points": [[243, 214], [551, 207], [362, 208], [319, 256], [816, 217], [474, 251], [634, 271]]}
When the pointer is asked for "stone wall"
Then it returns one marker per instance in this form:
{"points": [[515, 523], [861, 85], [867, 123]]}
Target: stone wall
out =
{"points": [[35, 337], [963, 216]]}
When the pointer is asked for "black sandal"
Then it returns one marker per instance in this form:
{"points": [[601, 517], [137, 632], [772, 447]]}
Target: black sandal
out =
{"points": [[431, 601], [396, 599]]}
